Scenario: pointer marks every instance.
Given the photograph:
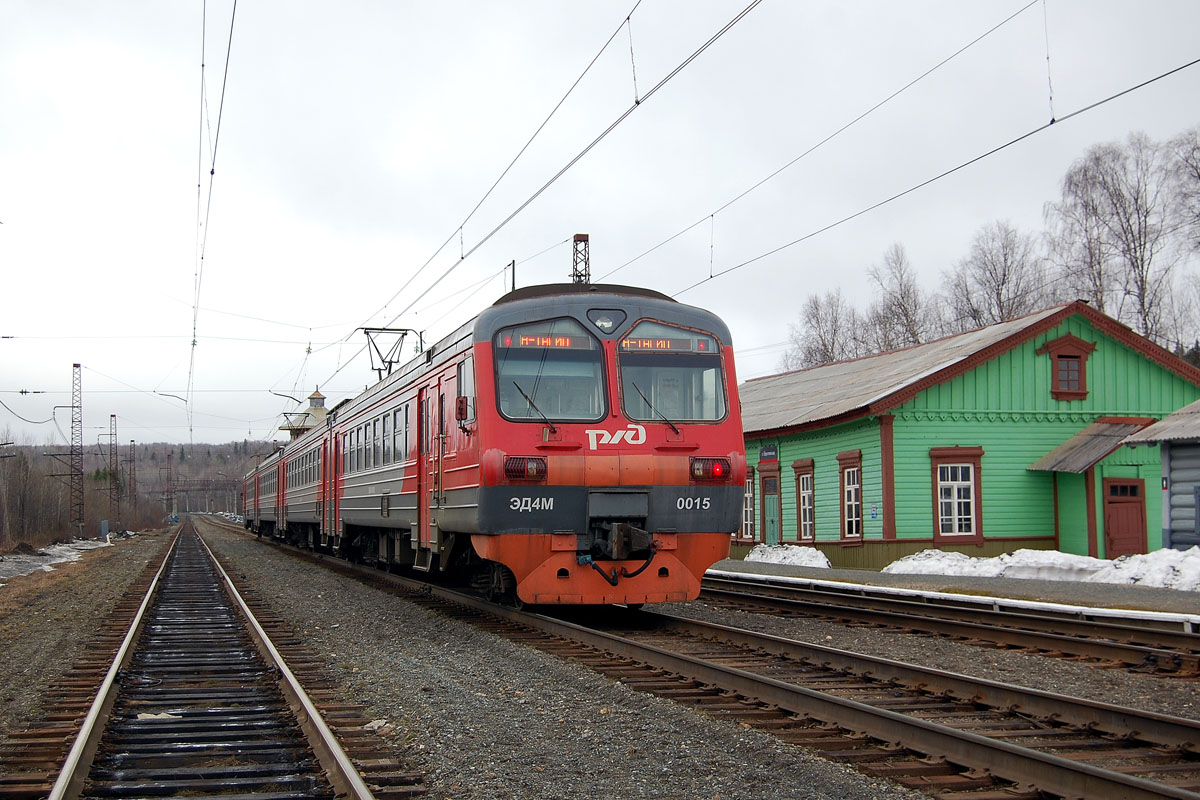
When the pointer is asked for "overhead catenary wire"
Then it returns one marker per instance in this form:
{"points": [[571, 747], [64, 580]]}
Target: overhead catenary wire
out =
{"points": [[212, 171], [936, 178], [830, 137], [458, 231], [580, 155]]}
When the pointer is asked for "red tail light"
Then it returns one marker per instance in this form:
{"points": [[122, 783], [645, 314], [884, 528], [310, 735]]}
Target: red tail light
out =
{"points": [[710, 469], [525, 468]]}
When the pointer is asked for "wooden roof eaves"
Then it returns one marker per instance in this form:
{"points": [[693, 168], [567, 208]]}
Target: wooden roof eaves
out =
{"points": [[972, 361], [827, 422]]}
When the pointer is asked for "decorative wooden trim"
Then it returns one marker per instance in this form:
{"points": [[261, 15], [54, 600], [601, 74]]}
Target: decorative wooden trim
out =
{"points": [[1143, 421], [849, 459], [740, 536], [800, 468], [1089, 492], [1057, 541], [964, 453], [968, 455], [888, 474], [768, 470], [1068, 346]]}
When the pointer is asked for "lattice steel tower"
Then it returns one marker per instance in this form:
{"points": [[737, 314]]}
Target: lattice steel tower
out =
{"points": [[114, 475], [75, 478], [132, 493], [581, 270]]}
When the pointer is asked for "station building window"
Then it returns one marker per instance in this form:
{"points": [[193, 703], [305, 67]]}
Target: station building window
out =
{"points": [[748, 507], [957, 511], [806, 522], [1068, 366], [850, 469]]}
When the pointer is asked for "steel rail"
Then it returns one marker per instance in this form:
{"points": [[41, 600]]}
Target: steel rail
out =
{"points": [[1000, 626], [1049, 772], [345, 776], [71, 776], [1117, 720], [1124, 620]]}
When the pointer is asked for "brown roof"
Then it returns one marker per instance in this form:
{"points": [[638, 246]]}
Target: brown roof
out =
{"points": [[1086, 448]]}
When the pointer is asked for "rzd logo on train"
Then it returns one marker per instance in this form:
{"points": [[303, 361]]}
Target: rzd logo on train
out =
{"points": [[633, 434]]}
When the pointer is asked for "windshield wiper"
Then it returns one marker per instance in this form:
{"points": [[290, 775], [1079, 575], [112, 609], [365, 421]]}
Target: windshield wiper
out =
{"points": [[650, 406], [533, 405]]}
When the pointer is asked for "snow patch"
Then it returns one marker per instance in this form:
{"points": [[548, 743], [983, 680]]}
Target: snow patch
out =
{"points": [[1169, 569], [788, 554], [15, 564]]}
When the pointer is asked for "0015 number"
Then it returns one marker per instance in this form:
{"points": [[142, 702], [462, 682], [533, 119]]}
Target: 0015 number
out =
{"points": [[693, 503]]}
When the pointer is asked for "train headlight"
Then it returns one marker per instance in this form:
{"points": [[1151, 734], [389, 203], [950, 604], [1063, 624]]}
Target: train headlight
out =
{"points": [[710, 469], [525, 468]]}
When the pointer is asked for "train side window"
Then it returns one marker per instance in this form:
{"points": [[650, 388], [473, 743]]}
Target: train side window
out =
{"points": [[466, 385], [387, 440], [397, 441], [376, 445], [406, 418]]}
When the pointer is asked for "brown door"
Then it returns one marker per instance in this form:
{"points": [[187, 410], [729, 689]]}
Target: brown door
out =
{"points": [[1124, 517]]}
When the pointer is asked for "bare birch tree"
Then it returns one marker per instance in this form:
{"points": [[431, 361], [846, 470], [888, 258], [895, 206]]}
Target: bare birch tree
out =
{"points": [[1000, 279], [904, 315], [1114, 229], [1186, 157], [826, 332]]}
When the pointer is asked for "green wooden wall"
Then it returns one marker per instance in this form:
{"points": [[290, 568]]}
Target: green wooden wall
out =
{"points": [[1004, 406], [823, 447]]}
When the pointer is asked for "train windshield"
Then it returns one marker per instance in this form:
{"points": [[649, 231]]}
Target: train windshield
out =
{"points": [[670, 373], [550, 370]]}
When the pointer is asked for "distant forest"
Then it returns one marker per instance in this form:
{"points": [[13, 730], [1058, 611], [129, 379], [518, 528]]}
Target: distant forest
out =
{"points": [[35, 495]]}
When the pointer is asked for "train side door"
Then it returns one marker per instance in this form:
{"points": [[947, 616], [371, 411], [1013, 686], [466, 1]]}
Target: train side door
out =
{"points": [[280, 498], [332, 475], [431, 437]]}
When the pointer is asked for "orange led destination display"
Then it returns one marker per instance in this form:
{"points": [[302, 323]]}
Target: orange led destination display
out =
{"points": [[673, 345], [548, 342]]}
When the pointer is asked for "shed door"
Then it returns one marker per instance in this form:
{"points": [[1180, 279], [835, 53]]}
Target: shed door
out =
{"points": [[1124, 517]]}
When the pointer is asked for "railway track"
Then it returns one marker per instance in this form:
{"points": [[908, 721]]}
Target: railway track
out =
{"points": [[1164, 644], [938, 732], [200, 697]]}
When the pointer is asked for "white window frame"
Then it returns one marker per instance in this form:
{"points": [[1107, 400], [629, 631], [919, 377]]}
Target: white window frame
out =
{"points": [[950, 492]]}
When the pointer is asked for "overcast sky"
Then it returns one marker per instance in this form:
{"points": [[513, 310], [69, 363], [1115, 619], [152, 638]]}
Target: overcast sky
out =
{"points": [[356, 137]]}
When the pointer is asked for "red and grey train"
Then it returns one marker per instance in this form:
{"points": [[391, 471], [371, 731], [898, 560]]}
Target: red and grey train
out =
{"points": [[574, 443]]}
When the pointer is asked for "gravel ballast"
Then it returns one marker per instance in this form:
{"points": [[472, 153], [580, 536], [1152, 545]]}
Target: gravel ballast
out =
{"points": [[487, 718], [48, 618]]}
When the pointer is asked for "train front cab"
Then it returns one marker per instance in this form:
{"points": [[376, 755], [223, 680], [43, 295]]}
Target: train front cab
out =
{"points": [[613, 462]]}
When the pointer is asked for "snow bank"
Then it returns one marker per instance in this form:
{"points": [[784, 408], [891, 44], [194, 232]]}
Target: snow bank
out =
{"points": [[15, 564], [788, 554], [1173, 569], [1169, 569]]}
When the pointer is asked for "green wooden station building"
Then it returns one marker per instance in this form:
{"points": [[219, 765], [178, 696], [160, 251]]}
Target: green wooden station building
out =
{"points": [[1001, 438]]}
